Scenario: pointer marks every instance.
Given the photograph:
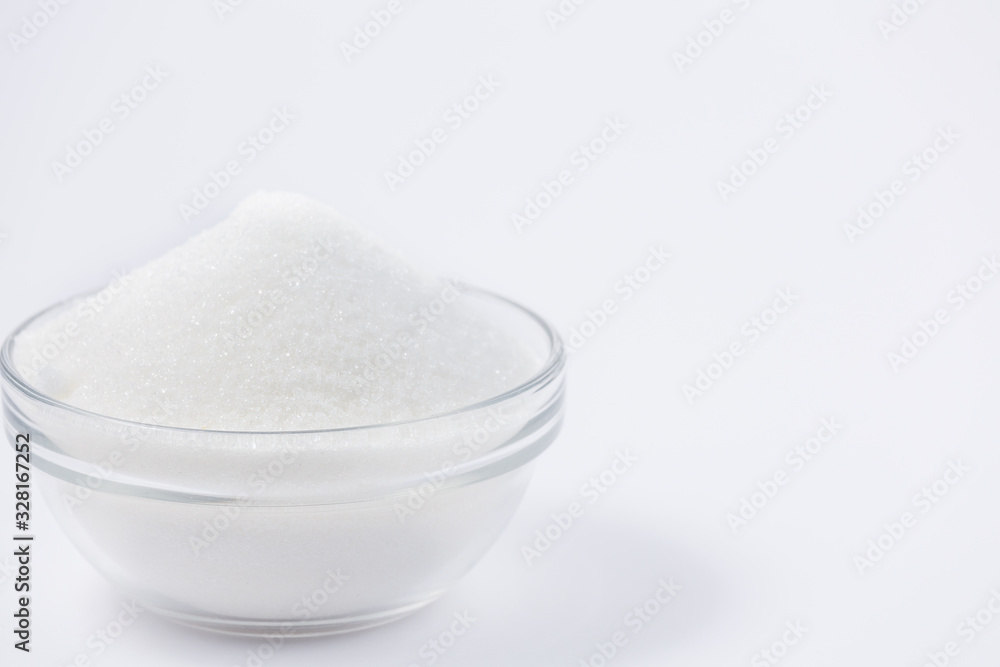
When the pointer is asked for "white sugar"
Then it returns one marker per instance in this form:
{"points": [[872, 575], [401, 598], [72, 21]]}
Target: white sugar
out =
{"points": [[283, 317]]}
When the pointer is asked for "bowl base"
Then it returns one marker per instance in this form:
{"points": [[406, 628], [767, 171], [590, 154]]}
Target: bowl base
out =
{"points": [[289, 629]]}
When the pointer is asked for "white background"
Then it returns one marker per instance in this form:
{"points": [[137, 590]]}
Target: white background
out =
{"points": [[687, 127]]}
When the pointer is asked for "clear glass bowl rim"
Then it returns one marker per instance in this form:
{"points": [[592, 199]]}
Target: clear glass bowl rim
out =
{"points": [[552, 366]]}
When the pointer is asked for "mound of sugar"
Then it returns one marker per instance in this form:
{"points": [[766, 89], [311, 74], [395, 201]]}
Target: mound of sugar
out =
{"points": [[283, 317]]}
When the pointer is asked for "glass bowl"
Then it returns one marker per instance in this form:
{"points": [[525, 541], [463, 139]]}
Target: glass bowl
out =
{"points": [[291, 533]]}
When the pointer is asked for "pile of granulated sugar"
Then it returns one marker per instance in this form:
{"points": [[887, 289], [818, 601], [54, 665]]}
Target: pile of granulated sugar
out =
{"points": [[283, 317]]}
